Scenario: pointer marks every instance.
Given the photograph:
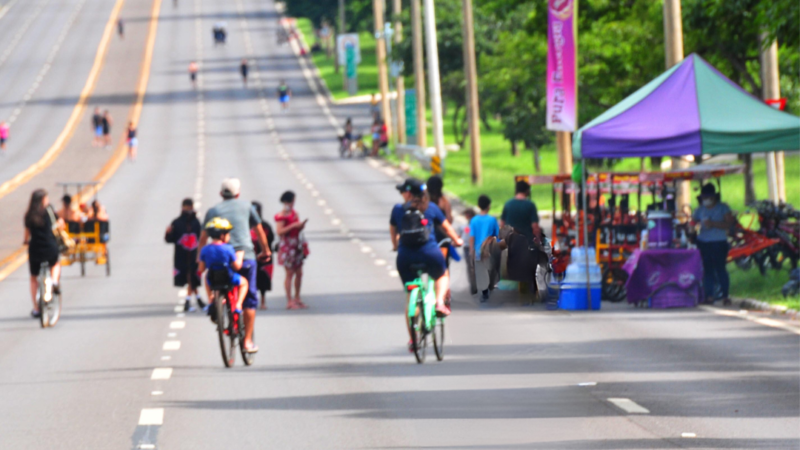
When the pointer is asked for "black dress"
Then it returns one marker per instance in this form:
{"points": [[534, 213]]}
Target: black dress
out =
{"points": [[43, 246], [264, 273]]}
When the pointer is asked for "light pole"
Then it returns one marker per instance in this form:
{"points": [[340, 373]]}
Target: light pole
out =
{"points": [[433, 78]]}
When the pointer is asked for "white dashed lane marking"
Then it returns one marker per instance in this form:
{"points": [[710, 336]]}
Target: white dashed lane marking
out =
{"points": [[151, 416], [171, 345], [629, 406], [177, 325], [161, 373]]}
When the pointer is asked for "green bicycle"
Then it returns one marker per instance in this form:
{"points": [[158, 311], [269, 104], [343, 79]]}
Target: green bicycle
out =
{"points": [[422, 317]]}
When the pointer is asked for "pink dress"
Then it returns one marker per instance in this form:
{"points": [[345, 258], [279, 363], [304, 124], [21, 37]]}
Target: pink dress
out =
{"points": [[4, 132], [290, 250]]}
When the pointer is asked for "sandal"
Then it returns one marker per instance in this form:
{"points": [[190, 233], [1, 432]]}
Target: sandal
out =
{"points": [[443, 310], [252, 348]]}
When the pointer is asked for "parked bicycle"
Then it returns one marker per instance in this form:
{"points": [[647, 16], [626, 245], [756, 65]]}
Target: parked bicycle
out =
{"points": [[49, 299], [230, 324]]}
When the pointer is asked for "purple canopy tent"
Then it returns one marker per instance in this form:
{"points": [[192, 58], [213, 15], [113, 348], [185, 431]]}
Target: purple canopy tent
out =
{"points": [[691, 109]]}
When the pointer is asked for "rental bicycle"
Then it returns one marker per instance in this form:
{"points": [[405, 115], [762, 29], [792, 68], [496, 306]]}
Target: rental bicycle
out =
{"points": [[422, 317], [230, 324], [48, 298]]}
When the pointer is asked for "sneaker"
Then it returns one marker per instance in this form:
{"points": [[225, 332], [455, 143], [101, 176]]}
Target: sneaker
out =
{"points": [[484, 296], [201, 304], [35, 314], [187, 307]]}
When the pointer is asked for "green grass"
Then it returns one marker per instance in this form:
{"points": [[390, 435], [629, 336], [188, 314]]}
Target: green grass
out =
{"points": [[751, 284], [367, 70]]}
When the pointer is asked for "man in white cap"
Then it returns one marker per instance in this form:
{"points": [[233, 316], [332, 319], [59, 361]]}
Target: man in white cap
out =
{"points": [[243, 217]]}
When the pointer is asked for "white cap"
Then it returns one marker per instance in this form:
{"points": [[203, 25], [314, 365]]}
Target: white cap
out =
{"points": [[231, 186]]}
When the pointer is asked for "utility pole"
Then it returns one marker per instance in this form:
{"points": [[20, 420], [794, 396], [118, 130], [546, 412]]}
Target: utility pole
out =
{"points": [[341, 31], [383, 75], [471, 72], [397, 8], [673, 51], [419, 73], [433, 78], [771, 89]]}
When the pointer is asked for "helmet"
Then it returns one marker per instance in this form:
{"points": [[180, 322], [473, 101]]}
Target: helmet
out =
{"points": [[217, 227]]}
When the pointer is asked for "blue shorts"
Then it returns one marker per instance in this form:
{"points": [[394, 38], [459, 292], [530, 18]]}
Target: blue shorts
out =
{"points": [[133, 142], [284, 99], [98, 131], [249, 271], [429, 255]]}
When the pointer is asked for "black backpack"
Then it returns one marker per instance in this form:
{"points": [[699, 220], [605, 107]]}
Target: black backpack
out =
{"points": [[414, 231]]}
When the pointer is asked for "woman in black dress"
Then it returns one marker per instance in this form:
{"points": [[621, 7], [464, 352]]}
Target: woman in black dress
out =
{"points": [[40, 221], [264, 272]]}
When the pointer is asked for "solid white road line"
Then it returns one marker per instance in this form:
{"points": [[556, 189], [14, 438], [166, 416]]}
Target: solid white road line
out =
{"points": [[171, 345], [629, 406], [177, 325], [151, 416], [161, 373]]}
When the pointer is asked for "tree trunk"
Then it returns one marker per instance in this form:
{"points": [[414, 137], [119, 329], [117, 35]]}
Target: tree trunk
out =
{"points": [[514, 149], [749, 185], [537, 164]]}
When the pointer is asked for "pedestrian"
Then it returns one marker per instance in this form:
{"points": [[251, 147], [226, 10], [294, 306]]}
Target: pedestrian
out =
{"points": [[121, 28], [520, 213], [133, 142], [380, 137], [3, 135], [97, 128], [243, 218], [374, 107], [243, 68], [184, 233], [193, 73], [715, 219], [469, 256], [482, 227], [284, 95], [292, 249], [265, 266], [107, 121]]}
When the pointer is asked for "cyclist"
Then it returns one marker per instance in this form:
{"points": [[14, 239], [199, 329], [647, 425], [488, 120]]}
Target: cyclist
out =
{"points": [[184, 232], [243, 218], [219, 255], [411, 227], [40, 223], [284, 95]]}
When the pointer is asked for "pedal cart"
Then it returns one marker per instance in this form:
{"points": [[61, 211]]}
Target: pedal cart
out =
{"points": [[90, 235]]}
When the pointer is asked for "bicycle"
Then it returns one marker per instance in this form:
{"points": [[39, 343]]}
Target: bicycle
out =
{"points": [[422, 317], [48, 299], [230, 325]]}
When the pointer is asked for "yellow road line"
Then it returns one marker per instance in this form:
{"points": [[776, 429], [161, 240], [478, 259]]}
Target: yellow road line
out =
{"points": [[19, 257], [4, 9], [77, 112]]}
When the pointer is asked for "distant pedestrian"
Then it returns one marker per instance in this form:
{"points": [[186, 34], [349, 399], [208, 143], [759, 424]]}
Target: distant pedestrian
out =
{"points": [[521, 214], [482, 227], [121, 28], [184, 232], [107, 122], [715, 219], [132, 141], [97, 128], [380, 136], [292, 250], [284, 95], [193, 73], [374, 107], [3, 135], [244, 69]]}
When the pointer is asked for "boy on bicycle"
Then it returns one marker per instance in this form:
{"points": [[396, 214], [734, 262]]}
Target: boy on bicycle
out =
{"points": [[219, 255]]}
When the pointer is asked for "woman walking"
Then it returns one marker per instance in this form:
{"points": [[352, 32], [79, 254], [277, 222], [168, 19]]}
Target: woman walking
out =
{"points": [[40, 222], [3, 135], [132, 142], [106, 123], [292, 250], [264, 271], [715, 219]]}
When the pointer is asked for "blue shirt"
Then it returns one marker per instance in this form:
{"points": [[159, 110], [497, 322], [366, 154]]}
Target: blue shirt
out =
{"points": [[434, 215], [715, 214], [220, 257], [481, 227]]}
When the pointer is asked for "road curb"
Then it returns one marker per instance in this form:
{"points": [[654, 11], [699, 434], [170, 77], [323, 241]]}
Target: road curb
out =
{"points": [[758, 305]]}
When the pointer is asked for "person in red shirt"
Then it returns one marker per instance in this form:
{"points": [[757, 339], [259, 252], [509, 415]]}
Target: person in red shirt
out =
{"points": [[292, 250]]}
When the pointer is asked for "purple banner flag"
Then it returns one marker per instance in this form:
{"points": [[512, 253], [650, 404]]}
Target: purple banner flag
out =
{"points": [[561, 68]]}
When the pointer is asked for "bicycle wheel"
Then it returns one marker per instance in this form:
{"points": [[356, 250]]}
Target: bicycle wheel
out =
{"points": [[248, 358], [419, 339], [224, 329], [44, 321], [438, 338], [53, 309]]}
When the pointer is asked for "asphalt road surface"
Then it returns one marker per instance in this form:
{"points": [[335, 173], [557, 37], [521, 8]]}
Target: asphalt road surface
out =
{"points": [[337, 375]]}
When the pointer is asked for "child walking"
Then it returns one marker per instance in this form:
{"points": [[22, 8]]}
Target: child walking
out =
{"points": [[482, 227]]}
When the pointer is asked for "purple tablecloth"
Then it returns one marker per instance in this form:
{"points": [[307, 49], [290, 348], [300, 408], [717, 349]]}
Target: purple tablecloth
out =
{"points": [[667, 278]]}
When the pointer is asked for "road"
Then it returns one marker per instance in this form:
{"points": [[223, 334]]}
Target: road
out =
{"points": [[337, 375]]}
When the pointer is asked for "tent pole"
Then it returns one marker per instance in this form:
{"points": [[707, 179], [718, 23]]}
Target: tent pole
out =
{"points": [[586, 234]]}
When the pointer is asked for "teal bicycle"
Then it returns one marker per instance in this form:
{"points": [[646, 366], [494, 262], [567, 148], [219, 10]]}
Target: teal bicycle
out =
{"points": [[422, 317]]}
